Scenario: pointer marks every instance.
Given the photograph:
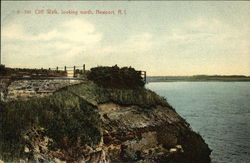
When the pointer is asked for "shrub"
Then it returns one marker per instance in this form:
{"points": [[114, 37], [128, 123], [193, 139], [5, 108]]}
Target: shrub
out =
{"points": [[115, 77], [2, 70]]}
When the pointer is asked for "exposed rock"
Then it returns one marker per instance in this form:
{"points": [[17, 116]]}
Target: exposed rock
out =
{"points": [[132, 130], [25, 89], [134, 134]]}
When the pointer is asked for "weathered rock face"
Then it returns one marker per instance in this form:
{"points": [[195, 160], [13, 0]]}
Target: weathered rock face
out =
{"points": [[159, 134]]}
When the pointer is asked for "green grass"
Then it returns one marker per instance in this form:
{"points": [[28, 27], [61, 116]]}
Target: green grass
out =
{"points": [[63, 115], [69, 114], [140, 96]]}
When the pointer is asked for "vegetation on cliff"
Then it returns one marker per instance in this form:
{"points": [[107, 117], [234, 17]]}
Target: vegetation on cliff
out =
{"points": [[133, 122], [22, 72], [65, 118], [69, 117], [98, 95], [115, 77]]}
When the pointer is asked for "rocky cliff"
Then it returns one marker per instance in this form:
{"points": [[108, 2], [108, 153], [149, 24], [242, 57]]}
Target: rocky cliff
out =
{"points": [[89, 123]]}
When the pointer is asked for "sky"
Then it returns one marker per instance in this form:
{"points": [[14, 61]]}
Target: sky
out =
{"points": [[161, 37]]}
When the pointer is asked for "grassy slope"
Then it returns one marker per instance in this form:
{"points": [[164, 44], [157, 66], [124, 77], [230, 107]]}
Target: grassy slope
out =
{"points": [[140, 96], [63, 115], [69, 113]]}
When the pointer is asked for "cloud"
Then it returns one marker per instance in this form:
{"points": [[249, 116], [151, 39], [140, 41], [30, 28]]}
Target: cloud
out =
{"points": [[65, 41], [75, 30], [48, 36], [12, 31], [195, 43], [209, 41], [210, 31], [80, 31], [138, 43]]}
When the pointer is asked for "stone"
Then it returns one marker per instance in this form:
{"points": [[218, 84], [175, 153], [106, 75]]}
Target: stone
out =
{"points": [[26, 89]]}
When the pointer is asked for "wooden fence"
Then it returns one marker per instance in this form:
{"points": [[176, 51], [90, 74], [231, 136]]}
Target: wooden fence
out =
{"points": [[58, 72], [144, 76], [73, 71]]}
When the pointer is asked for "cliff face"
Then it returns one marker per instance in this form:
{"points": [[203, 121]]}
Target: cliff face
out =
{"points": [[127, 126], [159, 134]]}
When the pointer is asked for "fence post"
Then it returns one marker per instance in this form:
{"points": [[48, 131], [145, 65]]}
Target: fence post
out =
{"points": [[145, 77], [57, 68], [84, 68], [65, 69], [74, 71]]}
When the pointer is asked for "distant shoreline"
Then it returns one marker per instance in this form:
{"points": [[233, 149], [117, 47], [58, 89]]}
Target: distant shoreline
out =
{"points": [[199, 78]]}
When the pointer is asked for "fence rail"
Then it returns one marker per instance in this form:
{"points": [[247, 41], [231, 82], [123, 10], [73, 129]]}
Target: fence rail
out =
{"points": [[144, 76], [72, 71], [66, 72], [42, 78]]}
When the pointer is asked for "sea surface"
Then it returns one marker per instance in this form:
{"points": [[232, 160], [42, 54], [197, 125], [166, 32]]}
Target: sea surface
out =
{"points": [[219, 111]]}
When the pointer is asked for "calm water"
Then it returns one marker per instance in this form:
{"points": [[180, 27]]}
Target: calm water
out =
{"points": [[219, 111]]}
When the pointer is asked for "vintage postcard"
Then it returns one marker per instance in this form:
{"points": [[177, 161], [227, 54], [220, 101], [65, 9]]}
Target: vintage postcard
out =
{"points": [[125, 81]]}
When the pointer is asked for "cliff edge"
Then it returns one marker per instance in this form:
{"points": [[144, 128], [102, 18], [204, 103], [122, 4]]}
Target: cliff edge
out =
{"points": [[89, 123], [108, 117]]}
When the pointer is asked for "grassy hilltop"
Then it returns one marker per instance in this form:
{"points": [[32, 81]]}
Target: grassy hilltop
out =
{"points": [[70, 116]]}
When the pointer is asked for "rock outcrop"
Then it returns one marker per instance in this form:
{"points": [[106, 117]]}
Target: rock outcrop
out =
{"points": [[133, 134], [135, 126], [24, 89]]}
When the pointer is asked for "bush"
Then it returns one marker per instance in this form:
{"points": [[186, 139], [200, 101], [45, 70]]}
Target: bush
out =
{"points": [[115, 77], [2, 70]]}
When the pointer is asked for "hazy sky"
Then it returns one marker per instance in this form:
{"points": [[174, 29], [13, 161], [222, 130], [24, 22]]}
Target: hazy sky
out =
{"points": [[163, 38]]}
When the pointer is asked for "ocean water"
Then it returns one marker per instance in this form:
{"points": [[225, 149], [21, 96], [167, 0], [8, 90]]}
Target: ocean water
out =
{"points": [[219, 111]]}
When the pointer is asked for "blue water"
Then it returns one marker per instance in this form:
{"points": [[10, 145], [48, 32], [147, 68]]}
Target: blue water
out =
{"points": [[219, 111]]}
